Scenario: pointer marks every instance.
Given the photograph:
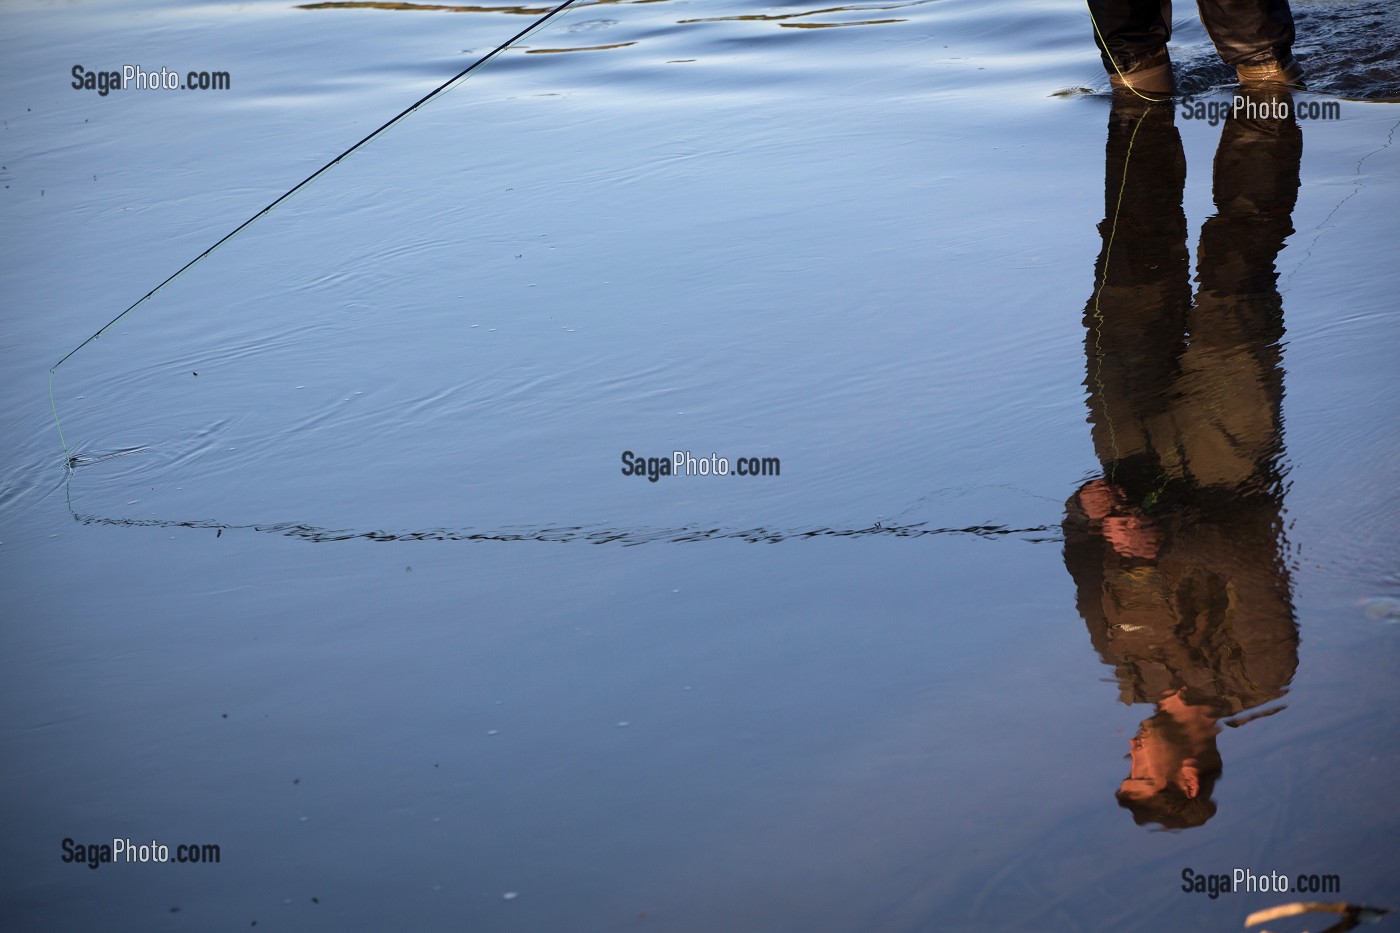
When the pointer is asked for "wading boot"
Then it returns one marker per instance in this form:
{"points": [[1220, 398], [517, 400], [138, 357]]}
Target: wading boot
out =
{"points": [[1149, 74], [1271, 69]]}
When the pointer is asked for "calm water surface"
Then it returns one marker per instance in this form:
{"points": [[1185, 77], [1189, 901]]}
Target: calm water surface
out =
{"points": [[1085, 414]]}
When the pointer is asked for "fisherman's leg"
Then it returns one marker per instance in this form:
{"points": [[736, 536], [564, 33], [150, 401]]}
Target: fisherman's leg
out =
{"points": [[1131, 36], [1254, 36]]}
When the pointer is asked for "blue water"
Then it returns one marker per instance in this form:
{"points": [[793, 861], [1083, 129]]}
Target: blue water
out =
{"points": [[368, 602]]}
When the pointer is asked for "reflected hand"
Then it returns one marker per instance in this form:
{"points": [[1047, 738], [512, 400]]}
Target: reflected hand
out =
{"points": [[1100, 498], [1133, 535]]}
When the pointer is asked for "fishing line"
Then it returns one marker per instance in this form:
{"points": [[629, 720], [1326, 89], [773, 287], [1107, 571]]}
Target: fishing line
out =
{"points": [[293, 190], [586, 534], [1322, 228]]}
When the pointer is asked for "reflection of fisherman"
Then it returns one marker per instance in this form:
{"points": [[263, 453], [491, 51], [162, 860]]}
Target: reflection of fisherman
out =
{"points": [[1175, 551], [1253, 36]]}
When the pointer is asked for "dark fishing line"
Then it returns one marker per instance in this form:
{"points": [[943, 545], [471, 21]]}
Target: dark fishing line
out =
{"points": [[297, 187], [585, 534]]}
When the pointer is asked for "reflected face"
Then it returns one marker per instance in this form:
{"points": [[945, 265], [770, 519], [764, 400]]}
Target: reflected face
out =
{"points": [[1157, 763]]}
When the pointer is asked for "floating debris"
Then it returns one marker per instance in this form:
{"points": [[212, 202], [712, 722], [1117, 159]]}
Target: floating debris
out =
{"points": [[1352, 914], [1382, 608]]}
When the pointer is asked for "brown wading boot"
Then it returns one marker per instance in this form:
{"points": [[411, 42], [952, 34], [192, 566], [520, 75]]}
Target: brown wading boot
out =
{"points": [[1147, 74], [1269, 68]]}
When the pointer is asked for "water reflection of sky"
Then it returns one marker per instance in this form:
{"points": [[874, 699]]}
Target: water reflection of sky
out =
{"points": [[1061, 480]]}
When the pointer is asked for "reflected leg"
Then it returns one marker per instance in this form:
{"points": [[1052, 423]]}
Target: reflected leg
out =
{"points": [[1135, 322]]}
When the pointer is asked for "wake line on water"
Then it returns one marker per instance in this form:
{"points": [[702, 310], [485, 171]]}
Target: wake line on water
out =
{"points": [[583, 533], [626, 537], [568, 534]]}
